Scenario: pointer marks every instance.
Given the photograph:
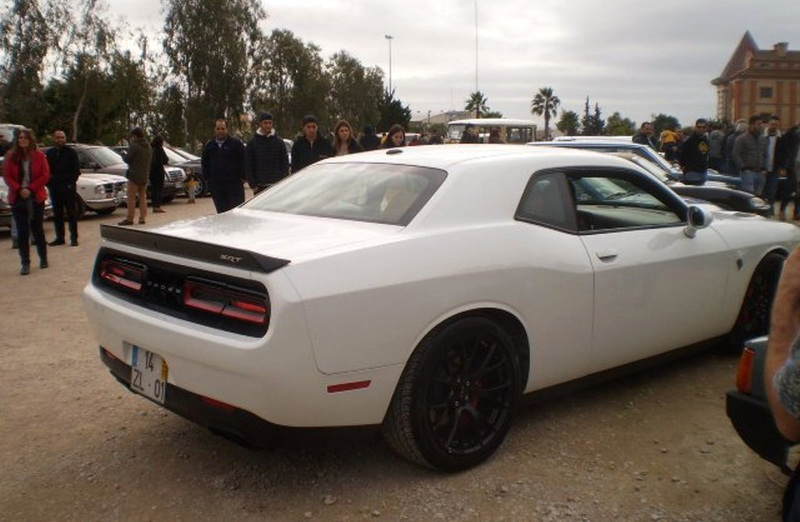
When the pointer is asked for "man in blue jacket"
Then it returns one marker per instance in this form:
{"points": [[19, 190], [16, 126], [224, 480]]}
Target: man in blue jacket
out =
{"points": [[223, 168]]}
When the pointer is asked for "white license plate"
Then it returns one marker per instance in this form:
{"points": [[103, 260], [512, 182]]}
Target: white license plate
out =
{"points": [[149, 374]]}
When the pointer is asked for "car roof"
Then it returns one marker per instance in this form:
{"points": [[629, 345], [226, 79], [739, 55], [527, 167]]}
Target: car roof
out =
{"points": [[446, 156]]}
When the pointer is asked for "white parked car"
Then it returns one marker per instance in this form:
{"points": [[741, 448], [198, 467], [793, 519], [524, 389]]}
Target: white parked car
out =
{"points": [[100, 193], [426, 290]]}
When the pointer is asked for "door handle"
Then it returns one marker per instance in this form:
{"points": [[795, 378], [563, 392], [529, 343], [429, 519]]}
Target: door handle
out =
{"points": [[607, 254]]}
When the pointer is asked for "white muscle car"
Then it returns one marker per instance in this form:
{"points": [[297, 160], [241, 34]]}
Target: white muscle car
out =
{"points": [[425, 290]]}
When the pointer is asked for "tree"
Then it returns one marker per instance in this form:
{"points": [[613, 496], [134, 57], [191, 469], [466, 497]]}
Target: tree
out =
{"points": [[619, 126], [477, 102], [569, 124], [26, 36], [210, 47], [546, 104], [661, 122], [392, 111], [291, 81], [355, 91], [492, 114], [592, 124]]}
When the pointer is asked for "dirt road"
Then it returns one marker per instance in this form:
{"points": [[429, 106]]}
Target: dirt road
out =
{"points": [[75, 445]]}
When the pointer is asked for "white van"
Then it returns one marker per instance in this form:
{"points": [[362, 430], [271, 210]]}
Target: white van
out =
{"points": [[508, 130]]}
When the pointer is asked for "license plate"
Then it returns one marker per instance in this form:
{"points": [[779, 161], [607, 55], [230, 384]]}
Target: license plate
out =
{"points": [[149, 374]]}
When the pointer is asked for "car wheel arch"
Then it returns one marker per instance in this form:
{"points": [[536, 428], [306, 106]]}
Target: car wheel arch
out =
{"points": [[503, 317], [742, 330]]}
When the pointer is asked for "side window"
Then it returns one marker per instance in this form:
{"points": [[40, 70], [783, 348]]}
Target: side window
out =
{"points": [[547, 200], [84, 160], [618, 200]]}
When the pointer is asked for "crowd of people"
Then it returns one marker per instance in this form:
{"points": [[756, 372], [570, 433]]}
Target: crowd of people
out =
{"points": [[759, 152]]}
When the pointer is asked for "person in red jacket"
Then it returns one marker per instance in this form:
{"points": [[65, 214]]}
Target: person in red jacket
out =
{"points": [[27, 173]]}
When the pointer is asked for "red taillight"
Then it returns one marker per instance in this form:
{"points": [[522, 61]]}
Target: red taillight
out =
{"points": [[226, 301], [122, 274], [744, 376]]}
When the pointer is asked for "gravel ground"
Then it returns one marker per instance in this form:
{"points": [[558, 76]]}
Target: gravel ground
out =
{"points": [[75, 445]]}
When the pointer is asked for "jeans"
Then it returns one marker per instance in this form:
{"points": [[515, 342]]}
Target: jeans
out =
{"points": [[752, 181], [28, 225]]}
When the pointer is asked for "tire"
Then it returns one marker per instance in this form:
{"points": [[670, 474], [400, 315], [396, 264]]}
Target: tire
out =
{"points": [[754, 315], [457, 396]]}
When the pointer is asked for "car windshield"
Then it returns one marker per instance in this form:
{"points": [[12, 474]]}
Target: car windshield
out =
{"points": [[371, 192], [105, 157], [182, 153], [174, 157], [653, 168]]}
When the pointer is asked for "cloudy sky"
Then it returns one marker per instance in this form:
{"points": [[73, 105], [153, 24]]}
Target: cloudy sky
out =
{"points": [[638, 58]]}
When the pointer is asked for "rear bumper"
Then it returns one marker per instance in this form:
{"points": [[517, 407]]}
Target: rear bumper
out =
{"points": [[232, 423], [752, 420]]}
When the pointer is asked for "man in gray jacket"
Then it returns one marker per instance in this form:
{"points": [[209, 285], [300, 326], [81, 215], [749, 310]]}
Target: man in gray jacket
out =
{"points": [[748, 155]]}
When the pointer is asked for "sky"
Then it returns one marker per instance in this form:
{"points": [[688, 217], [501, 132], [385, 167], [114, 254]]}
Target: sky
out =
{"points": [[635, 58]]}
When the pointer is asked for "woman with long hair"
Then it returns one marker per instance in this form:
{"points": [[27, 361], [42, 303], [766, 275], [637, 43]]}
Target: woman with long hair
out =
{"points": [[343, 140], [396, 137], [157, 163], [27, 173]]}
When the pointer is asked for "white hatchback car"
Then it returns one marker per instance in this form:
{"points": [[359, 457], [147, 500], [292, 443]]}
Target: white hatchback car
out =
{"points": [[426, 290]]}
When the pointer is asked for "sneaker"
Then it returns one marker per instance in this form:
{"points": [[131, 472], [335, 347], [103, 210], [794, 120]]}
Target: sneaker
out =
{"points": [[125, 222], [25, 270], [73, 242], [43, 264], [56, 242]]}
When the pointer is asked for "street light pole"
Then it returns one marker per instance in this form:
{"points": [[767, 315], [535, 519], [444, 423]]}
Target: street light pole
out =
{"points": [[390, 38]]}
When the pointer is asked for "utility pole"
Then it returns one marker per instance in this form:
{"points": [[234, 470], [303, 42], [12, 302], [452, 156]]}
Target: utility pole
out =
{"points": [[390, 38]]}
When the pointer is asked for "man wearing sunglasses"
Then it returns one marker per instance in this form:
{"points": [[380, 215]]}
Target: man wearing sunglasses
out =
{"points": [[694, 155]]}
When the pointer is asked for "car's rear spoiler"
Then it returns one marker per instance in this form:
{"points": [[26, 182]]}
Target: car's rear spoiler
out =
{"points": [[210, 253]]}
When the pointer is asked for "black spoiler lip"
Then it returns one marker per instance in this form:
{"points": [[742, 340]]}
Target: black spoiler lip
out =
{"points": [[216, 254]]}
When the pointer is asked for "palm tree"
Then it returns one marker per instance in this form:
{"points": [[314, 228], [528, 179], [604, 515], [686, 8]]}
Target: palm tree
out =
{"points": [[546, 104], [477, 102]]}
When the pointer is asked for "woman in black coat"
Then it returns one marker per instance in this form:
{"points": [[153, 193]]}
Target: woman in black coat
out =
{"points": [[157, 162]]}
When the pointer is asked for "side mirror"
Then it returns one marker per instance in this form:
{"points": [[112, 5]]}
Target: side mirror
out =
{"points": [[698, 218]]}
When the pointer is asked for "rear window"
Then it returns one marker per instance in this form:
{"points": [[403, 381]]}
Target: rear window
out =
{"points": [[371, 192]]}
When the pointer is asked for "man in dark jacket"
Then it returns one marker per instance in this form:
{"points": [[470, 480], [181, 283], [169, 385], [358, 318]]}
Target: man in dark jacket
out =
{"points": [[470, 134], [748, 156], [223, 167], [694, 155], [266, 161], [646, 136], [64, 172], [369, 141], [310, 147]]}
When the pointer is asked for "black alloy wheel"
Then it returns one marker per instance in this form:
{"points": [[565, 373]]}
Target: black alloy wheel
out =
{"points": [[457, 397]]}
